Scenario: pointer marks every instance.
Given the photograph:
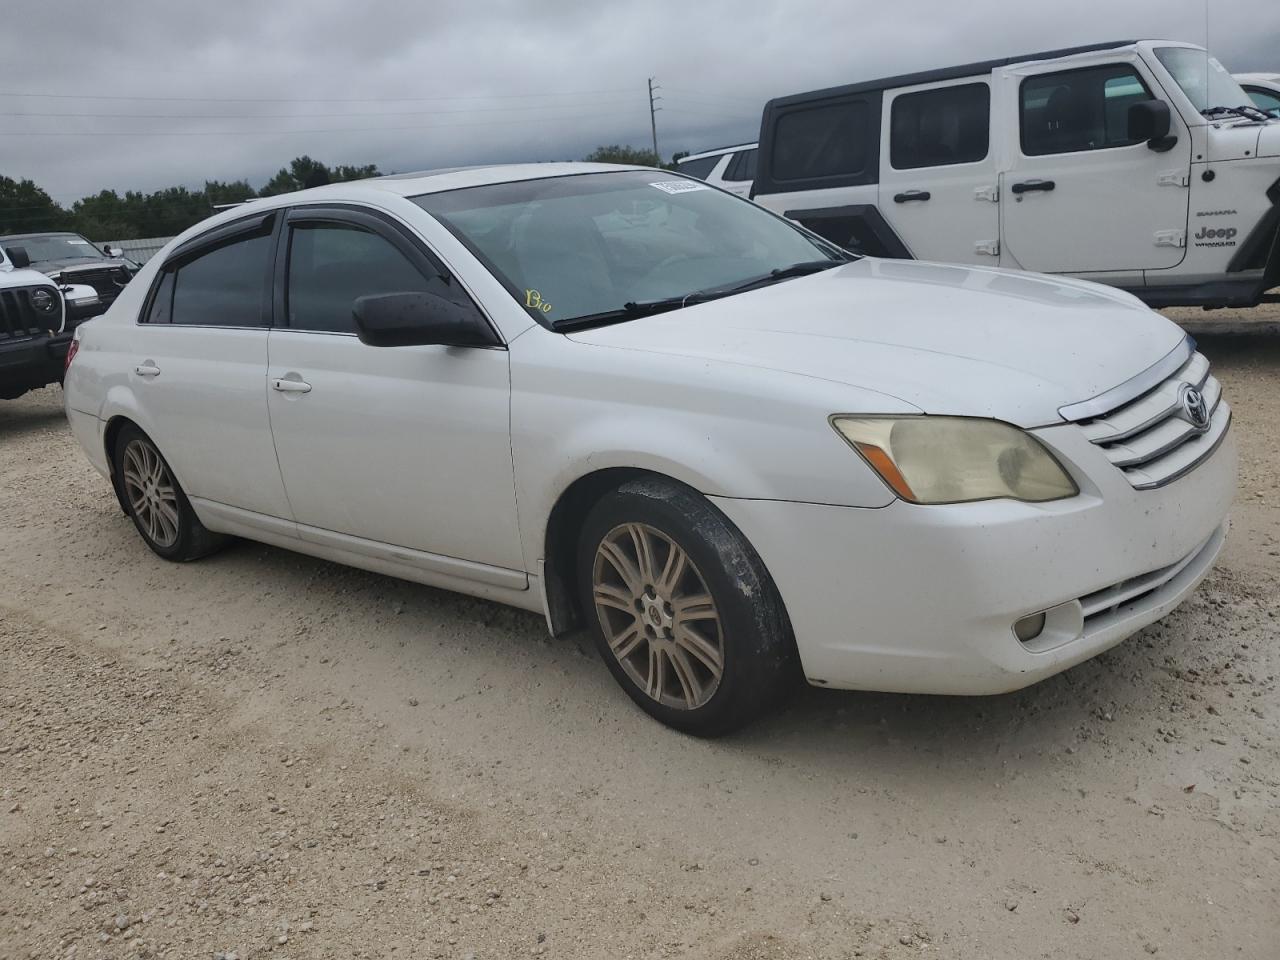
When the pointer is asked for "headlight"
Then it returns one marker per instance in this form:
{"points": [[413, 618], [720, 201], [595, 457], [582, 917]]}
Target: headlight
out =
{"points": [[43, 301], [956, 459]]}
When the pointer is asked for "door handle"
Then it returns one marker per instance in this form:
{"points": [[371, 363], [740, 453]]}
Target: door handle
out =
{"points": [[147, 369], [911, 195], [291, 386], [1027, 186]]}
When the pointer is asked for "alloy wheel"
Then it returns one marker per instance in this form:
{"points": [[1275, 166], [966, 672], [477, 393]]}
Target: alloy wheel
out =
{"points": [[151, 492], [658, 616]]}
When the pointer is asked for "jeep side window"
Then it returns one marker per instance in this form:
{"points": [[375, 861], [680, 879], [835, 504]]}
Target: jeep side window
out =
{"points": [[822, 141], [934, 128], [1079, 109]]}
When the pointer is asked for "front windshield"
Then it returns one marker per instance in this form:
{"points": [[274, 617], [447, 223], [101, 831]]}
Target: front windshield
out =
{"points": [[1202, 78], [59, 246], [598, 244]]}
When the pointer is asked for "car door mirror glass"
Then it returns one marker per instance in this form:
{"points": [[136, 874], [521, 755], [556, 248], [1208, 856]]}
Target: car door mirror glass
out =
{"points": [[417, 319], [1151, 121]]}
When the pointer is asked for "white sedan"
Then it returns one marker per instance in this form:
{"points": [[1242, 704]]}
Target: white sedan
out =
{"points": [[628, 400]]}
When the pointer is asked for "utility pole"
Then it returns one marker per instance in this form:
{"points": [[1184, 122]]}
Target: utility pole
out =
{"points": [[653, 118]]}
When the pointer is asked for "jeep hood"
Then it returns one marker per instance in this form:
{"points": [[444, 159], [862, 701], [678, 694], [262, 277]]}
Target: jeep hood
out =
{"points": [[946, 339]]}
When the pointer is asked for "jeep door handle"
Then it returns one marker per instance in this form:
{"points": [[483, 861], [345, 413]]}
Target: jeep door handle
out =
{"points": [[911, 195], [147, 369], [1027, 186], [291, 386]]}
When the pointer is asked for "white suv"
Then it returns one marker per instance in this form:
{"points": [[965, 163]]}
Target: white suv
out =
{"points": [[620, 398], [1137, 164], [729, 168], [1263, 89]]}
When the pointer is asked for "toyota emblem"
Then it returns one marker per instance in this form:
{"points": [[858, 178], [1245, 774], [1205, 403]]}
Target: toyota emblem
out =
{"points": [[1193, 405]]}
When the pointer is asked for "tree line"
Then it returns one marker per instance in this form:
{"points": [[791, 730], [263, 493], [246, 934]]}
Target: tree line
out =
{"points": [[109, 215]]}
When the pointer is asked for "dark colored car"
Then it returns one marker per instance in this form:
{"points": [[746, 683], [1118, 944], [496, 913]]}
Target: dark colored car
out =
{"points": [[68, 258]]}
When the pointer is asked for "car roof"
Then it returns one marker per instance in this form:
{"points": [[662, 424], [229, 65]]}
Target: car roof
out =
{"points": [[946, 73], [716, 152], [414, 184]]}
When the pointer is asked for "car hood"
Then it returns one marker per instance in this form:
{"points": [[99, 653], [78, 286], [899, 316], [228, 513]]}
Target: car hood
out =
{"points": [[1269, 140], [945, 339], [72, 264]]}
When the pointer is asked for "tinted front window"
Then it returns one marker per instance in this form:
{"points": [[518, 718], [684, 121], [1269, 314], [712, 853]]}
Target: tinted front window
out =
{"points": [[332, 265], [569, 247], [225, 286], [700, 168], [825, 141], [939, 127], [1079, 109]]}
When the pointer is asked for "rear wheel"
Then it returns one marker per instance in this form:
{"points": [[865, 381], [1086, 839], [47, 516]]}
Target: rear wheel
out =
{"points": [[155, 501], [682, 609]]}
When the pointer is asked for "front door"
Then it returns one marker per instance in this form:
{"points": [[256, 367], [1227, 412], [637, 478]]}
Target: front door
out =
{"points": [[938, 178], [406, 446], [1080, 196]]}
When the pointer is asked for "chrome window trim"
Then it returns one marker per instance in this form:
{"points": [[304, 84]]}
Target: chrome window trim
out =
{"points": [[1132, 388]]}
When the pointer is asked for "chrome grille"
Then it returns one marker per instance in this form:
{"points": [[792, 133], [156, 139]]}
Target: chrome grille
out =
{"points": [[1153, 439]]}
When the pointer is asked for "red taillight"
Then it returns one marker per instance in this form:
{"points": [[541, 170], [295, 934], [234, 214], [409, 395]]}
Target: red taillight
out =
{"points": [[72, 347]]}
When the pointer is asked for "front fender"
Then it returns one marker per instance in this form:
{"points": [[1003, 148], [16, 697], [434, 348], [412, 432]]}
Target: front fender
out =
{"points": [[723, 429]]}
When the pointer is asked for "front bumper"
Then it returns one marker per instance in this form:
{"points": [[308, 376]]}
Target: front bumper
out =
{"points": [[31, 363], [922, 599]]}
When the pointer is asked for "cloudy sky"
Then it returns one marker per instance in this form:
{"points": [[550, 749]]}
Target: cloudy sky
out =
{"points": [[139, 95]]}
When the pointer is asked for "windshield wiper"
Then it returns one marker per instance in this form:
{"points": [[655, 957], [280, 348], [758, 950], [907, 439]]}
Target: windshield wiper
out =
{"points": [[1249, 113], [645, 308]]}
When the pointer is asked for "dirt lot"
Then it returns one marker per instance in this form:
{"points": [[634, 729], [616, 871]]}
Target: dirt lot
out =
{"points": [[263, 755]]}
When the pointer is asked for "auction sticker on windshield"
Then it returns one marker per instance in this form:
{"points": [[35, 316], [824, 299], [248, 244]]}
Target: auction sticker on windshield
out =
{"points": [[679, 186]]}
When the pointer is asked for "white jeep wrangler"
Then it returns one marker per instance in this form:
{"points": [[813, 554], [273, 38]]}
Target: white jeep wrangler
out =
{"points": [[1140, 164], [33, 334]]}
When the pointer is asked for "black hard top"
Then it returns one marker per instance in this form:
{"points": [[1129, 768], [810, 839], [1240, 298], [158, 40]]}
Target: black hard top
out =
{"points": [[946, 73]]}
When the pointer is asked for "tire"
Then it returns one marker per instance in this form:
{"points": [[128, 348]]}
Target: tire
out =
{"points": [[650, 618], [155, 501]]}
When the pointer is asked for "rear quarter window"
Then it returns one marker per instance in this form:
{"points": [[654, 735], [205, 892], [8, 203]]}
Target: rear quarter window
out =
{"points": [[823, 141]]}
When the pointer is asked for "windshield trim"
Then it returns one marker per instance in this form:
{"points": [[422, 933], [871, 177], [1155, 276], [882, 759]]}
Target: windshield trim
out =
{"points": [[838, 254]]}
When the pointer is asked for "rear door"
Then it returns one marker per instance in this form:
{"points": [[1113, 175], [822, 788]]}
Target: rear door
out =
{"points": [[938, 177], [199, 367], [1079, 196], [402, 446]]}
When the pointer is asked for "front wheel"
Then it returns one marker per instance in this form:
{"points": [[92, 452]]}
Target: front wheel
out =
{"points": [[682, 609], [156, 503]]}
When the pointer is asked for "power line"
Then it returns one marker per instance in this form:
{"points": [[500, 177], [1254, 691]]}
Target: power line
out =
{"points": [[312, 116], [171, 99], [421, 128]]}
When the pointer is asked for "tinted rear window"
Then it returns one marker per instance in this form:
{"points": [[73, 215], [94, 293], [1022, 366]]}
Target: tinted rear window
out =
{"points": [[225, 286], [700, 168], [935, 128], [823, 141]]}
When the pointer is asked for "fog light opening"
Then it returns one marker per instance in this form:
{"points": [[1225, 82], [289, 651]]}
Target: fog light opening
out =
{"points": [[1029, 627]]}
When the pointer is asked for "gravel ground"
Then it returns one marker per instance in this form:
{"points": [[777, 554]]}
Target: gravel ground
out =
{"points": [[264, 755]]}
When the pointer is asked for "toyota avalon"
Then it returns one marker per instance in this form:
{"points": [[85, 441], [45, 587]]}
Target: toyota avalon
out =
{"points": [[632, 402]]}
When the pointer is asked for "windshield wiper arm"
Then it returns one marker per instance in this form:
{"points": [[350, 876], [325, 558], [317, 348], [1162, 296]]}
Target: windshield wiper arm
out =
{"points": [[645, 308], [1248, 112]]}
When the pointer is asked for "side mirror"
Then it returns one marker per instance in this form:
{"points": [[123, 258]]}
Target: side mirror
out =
{"points": [[112, 252], [18, 257], [418, 319], [1151, 121]]}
